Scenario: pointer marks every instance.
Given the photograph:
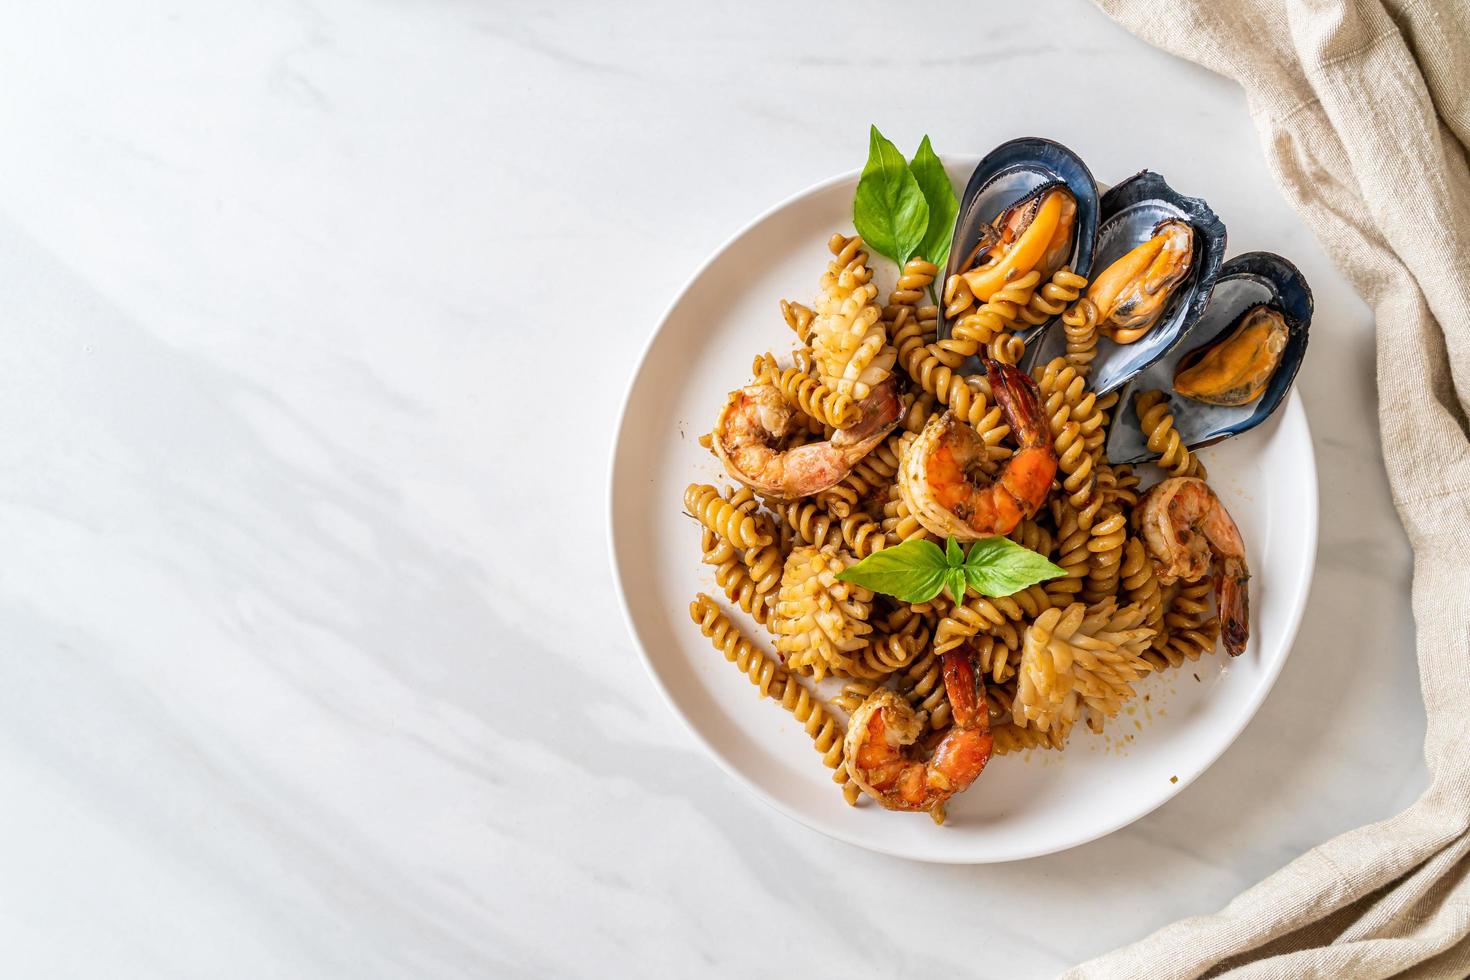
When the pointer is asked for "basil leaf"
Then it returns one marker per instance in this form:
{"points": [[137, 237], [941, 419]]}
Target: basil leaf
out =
{"points": [[1000, 567], [954, 557], [889, 209], [944, 206], [955, 579], [912, 572]]}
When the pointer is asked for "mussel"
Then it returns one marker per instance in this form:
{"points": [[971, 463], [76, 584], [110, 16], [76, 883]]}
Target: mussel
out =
{"points": [[1241, 356], [1236, 370], [1035, 233], [1159, 253], [1132, 293], [1030, 205]]}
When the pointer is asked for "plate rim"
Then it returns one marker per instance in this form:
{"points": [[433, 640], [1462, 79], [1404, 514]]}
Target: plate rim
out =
{"points": [[1294, 408]]}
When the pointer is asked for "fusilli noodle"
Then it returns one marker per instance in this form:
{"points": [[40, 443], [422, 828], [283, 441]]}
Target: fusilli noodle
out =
{"points": [[1063, 289], [980, 613], [808, 393], [923, 685], [799, 318], [1158, 428], [1105, 555], [1141, 585], [1079, 326], [815, 526], [1071, 554], [733, 577], [984, 326], [1190, 628], [742, 529]]}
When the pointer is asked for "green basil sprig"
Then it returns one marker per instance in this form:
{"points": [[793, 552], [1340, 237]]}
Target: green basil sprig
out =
{"points": [[917, 570], [905, 208], [944, 207]]}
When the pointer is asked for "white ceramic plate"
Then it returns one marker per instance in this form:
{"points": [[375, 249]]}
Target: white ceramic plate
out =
{"points": [[1024, 805]]}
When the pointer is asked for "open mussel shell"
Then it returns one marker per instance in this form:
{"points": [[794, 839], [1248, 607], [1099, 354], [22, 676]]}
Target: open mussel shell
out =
{"points": [[1130, 213], [1246, 281], [1010, 173]]}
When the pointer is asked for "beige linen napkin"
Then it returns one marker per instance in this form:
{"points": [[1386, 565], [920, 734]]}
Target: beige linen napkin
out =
{"points": [[1363, 107]]}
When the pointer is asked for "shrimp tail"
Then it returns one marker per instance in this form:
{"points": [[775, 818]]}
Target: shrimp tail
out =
{"points": [[962, 685], [1027, 477], [1019, 398], [1232, 595], [961, 756], [881, 412]]}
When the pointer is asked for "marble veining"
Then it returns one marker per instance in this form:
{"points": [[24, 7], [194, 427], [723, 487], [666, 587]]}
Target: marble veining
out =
{"points": [[318, 317]]}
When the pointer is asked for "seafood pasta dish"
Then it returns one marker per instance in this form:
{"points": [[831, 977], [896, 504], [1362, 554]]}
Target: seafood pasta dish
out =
{"points": [[964, 515]]}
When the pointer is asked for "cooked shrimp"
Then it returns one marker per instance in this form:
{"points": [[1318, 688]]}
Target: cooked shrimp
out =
{"points": [[1186, 529], [941, 478], [882, 756], [755, 421]]}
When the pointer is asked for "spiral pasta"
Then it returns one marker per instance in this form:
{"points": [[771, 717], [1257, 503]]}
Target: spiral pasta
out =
{"points": [[1190, 605], [908, 292], [824, 731], [1157, 424], [899, 523], [959, 299], [799, 318], [968, 397], [1077, 424], [742, 529], [1079, 326], [922, 684], [918, 406], [1007, 348], [815, 526], [983, 327], [734, 578], [1062, 385], [1190, 628], [886, 653], [775, 682], [979, 613], [854, 693], [1072, 554], [1051, 299], [907, 618], [808, 394], [867, 483], [839, 500], [1186, 643], [1010, 737], [1141, 585], [1109, 535], [997, 655], [767, 675], [1101, 407], [1031, 534], [1124, 490]]}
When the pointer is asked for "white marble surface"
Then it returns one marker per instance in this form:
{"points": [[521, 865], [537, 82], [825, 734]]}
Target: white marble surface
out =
{"points": [[317, 318]]}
